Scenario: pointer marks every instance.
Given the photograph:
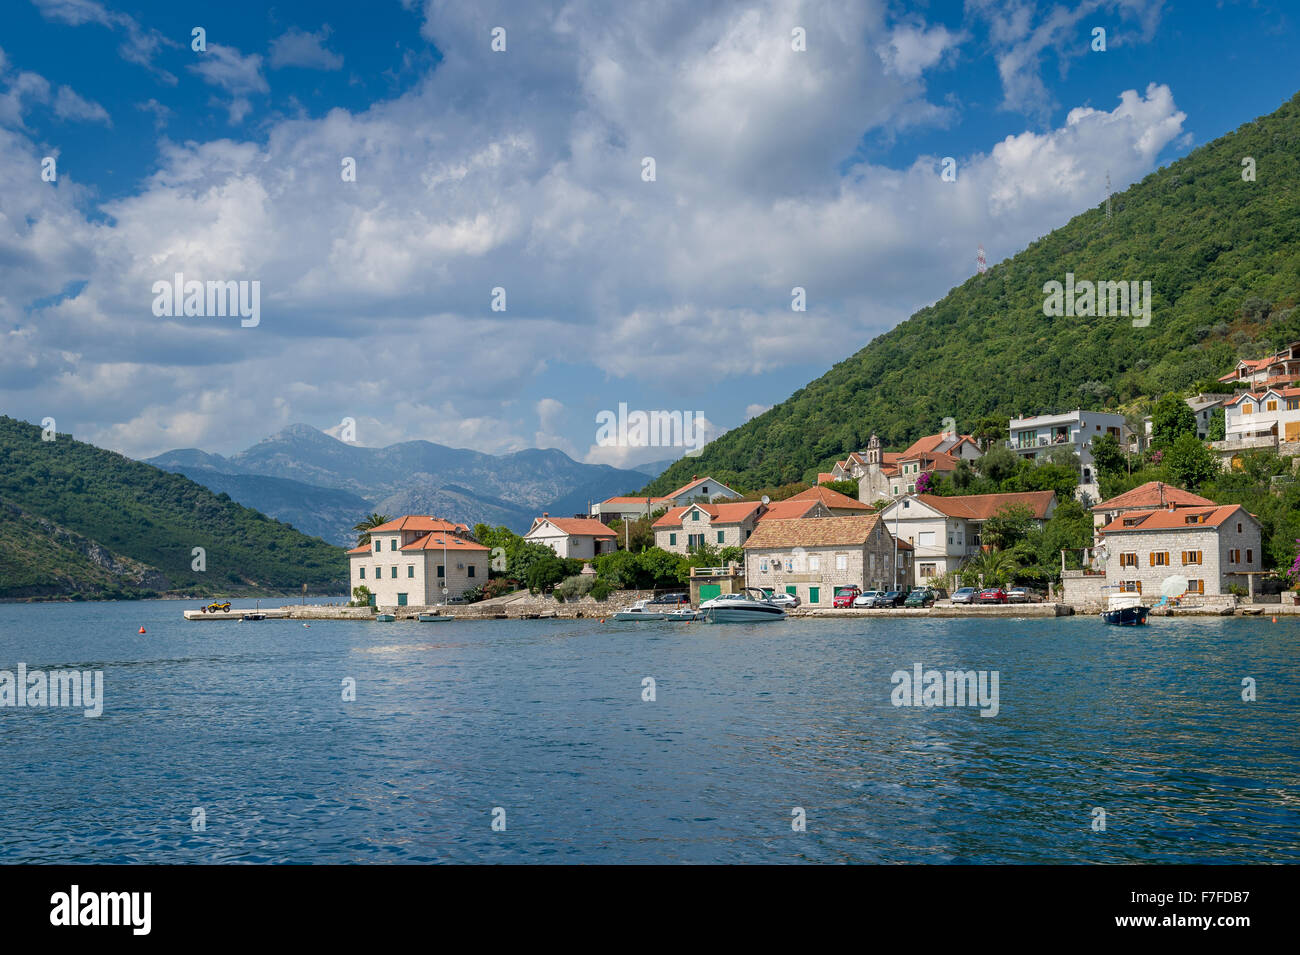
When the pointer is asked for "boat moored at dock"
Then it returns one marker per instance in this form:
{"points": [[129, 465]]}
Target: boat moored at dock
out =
{"points": [[748, 605]]}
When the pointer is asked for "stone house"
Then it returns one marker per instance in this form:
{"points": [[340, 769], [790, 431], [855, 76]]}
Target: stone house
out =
{"points": [[702, 489], [811, 558], [1213, 547], [417, 561]]}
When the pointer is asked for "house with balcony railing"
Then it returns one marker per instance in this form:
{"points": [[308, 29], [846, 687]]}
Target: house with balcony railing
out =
{"points": [[1037, 436]]}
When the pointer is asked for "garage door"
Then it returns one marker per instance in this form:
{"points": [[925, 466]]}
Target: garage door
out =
{"points": [[709, 591]]}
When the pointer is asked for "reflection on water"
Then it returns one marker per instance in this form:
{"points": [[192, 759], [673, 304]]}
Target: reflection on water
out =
{"points": [[545, 718]]}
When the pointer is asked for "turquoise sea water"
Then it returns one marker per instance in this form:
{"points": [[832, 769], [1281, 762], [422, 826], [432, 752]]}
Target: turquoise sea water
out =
{"points": [[545, 719]]}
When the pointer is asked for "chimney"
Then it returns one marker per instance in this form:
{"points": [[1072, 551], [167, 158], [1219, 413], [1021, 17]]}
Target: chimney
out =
{"points": [[695, 477], [1161, 488], [544, 514]]}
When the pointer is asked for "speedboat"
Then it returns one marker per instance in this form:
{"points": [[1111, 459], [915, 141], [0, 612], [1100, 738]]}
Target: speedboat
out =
{"points": [[648, 610], [749, 604], [1125, 610]]}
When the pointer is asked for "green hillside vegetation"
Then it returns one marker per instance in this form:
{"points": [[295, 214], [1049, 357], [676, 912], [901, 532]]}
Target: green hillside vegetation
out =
{"points": [[75, 518], [1223, 259]]}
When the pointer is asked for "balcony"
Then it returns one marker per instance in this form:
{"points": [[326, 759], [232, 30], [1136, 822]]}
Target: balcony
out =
{"points": [[1245, 443]]}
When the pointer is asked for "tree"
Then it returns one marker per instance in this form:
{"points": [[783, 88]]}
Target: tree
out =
{"points": [[545, 572], [1217, 426], [1189, 462], [1007, 527], [363, 528], [998, 464], [1170, 419], [989, 567], [1108, 455], [361, 595]]}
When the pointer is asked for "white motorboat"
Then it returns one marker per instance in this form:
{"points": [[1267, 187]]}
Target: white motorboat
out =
{"points": [[648, 610], [749, 604]]}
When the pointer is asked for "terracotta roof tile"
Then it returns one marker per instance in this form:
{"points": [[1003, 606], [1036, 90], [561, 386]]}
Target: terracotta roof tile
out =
{"points": [[828, 497], [1173, 520], [822, 532], [580, 526], [981, 507], [1153, 494]]}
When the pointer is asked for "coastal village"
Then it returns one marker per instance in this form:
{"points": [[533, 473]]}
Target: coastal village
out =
{"points": [[897, 534]]}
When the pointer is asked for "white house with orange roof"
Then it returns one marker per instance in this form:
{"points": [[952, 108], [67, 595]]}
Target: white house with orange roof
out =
{"points": [[1265, 418], [632, 506], [1279, 368], [579, 537], [835, 503], [1213, 547], [725, 524], [418, 561]]}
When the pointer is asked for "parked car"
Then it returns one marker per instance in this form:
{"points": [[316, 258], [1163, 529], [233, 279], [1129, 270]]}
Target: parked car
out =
{"points": [[1022, 595], [893, 598], [867, 599], [453, 599], [963, 595], [784, 600], [672, 599], [992, 595], [921, 597], [846, 597]]}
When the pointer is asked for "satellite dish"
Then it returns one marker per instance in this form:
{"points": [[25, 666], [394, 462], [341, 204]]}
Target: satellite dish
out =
{"points": [[1174, 586], [766, 500]]}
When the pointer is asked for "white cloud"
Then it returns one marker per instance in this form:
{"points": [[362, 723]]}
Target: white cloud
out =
{"points": [[228, 69], [68, 105], [524, 172], [296, 47], [141, 44], [913, 49]]}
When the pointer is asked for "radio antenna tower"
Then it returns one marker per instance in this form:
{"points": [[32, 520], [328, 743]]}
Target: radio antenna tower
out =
{"points": [[980, 263], [1107, 195]]}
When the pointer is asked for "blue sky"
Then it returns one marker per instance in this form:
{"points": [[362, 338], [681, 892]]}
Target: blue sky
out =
{"points": [[522, 169]]}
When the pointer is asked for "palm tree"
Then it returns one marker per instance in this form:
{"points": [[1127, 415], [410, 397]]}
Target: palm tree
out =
{"points": [[374, 520], [993, 566]]}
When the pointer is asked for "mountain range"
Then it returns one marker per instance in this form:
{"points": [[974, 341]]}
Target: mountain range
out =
{"points": [[323, 486], [1217, 238]]}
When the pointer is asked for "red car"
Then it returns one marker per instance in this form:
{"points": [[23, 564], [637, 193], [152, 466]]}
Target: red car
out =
{"points": [[844, 596], [992, 595]]}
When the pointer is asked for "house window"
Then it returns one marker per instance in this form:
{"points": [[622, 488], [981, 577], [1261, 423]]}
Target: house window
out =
{"points": [[1238, 528], [442, 571], [672, 539], [694, 540], [1195, 586], [1271, 406], [394, 573], [1293, 404], [392, 543], [1247, 409], [1130, 586], [695, 515], [1250, 556], [814, 595], [363, 573], [1159, 558], [1128, 560], [763, 565], [1234, 556], [1191, 557], [841, 561], [927, 570], [705, 489], [378, 545], [470, 570], [410, 570], [720, 535], [814, 563], [911, 489]]}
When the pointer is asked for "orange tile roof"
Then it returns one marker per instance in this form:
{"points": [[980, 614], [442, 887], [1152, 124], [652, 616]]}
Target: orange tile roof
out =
{"points": [[418, 522], [828, 497], [581, 526], [789, 509], [822, 532], [980, 507], [626, 499], [824, 477], [1173, 520], [362, 549], [439, 541], [731, 512], [1153, 494]]}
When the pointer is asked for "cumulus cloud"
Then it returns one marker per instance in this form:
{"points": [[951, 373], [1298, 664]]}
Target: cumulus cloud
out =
{"points": [[226, 68], [140, 45], [524, 173], [68, 105]]}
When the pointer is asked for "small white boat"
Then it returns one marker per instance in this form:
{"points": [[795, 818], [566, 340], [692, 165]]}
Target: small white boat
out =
{"points": [[433, 618], [748, 605], [647, 610]]}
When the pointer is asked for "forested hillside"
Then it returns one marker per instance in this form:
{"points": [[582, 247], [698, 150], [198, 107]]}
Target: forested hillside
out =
{"points": [[1223, 260], [77, 518]]}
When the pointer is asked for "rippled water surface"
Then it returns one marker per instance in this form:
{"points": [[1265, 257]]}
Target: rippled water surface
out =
{"points": [[546, 720]]}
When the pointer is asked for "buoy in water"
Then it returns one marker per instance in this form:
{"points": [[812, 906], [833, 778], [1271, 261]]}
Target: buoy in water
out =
{"points": [[142, 629]]}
